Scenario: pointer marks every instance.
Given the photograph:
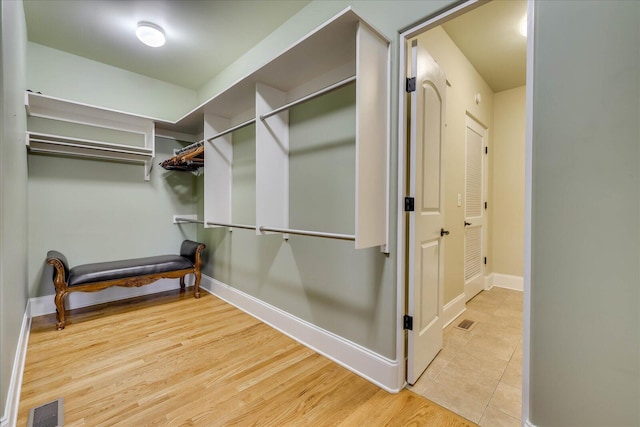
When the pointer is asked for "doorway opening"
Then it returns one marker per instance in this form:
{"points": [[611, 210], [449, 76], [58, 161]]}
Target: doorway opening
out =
{"points": [[482, 240]]}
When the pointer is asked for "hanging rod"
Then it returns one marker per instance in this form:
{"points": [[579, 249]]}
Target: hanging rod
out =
{"points": [[236, 127], [308, 97], [224, 224], [309, 233], [275, 230], [195, 221], [189, 147], [67, 141]]}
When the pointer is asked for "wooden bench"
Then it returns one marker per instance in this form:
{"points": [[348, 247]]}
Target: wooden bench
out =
{"points": [[127, 273]]}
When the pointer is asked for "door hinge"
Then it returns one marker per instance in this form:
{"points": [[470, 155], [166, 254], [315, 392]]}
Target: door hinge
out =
{"points": [[486, 150], [409, 204], [408, 322], [411, 84], [485, 260], [485, 205]]}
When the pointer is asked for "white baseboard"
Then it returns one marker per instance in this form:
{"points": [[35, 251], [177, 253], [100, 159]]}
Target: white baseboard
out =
{"points": [[508, 281], [488, 282], [359, 360], [453, 309], [473, 288], [10, 417], [528, 423], [45, 305]]}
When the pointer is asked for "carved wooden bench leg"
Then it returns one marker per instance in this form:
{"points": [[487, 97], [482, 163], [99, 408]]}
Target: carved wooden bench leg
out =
{"points": [[182, 284], [196, 286], [60, 310]]}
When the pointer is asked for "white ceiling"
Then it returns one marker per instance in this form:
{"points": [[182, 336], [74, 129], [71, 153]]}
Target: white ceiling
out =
{"points": [[488, 36], [203, 37]]}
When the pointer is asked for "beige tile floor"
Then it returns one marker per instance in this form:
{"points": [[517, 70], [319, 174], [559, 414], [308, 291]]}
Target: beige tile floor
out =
{"points": [[478, 373]]}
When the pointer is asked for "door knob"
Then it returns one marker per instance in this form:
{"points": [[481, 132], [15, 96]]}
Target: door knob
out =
{"points": [[444, 232], [466, 223]]}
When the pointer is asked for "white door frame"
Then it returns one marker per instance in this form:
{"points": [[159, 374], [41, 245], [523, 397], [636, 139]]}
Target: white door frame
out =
{"points": [[402, 180]]}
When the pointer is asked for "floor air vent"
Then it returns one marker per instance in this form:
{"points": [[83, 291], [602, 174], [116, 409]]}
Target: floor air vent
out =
{"points": [[47, 415], [466, 324]]}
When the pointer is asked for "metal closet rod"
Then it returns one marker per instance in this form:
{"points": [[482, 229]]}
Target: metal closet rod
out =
{"points": [[236, 127], [224, 224], [195, 221], [309, 233], [308, 97], [189, 147], [87, 147], [285, 230]]}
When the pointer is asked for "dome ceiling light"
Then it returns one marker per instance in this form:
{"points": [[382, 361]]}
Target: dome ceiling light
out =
{"points": [[150, 34]]}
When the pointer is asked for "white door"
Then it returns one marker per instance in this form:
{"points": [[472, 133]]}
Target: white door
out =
{"points": [[426, 222], [474, 208]]}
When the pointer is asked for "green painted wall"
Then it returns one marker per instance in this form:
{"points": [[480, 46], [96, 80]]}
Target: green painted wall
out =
{"points": [[585, 324], [326, 282], [13, 191], [64, 75], [93, 211]]}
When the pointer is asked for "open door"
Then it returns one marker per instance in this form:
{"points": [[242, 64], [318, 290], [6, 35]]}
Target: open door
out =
{"points": [[426, 222]]}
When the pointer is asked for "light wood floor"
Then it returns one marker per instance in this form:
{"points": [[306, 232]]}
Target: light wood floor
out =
{"points": [[169, 359]]}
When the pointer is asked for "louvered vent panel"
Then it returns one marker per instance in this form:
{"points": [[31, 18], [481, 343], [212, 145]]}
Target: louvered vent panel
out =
{"points": [[473, 199], [472, 253]]}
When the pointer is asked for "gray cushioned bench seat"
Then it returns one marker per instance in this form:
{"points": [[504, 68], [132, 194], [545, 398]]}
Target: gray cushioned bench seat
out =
{"points": [[101, 271], [127, 272]]}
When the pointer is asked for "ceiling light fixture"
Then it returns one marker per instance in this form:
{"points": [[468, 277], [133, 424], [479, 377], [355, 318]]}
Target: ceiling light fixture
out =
{"points": [[150, 34], [523, 27]]}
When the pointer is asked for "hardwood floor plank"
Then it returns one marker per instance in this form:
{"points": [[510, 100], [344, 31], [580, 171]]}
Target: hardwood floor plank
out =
{"points": [[169, 359]]}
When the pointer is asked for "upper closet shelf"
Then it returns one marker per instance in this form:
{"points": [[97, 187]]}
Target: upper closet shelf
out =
{"points": [[90, 121], [319, 59]]}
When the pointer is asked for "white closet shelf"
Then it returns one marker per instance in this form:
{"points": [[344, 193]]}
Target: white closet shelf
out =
{"points": [[51, 108], [56, 144], [342, 51], [322, 57]]}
